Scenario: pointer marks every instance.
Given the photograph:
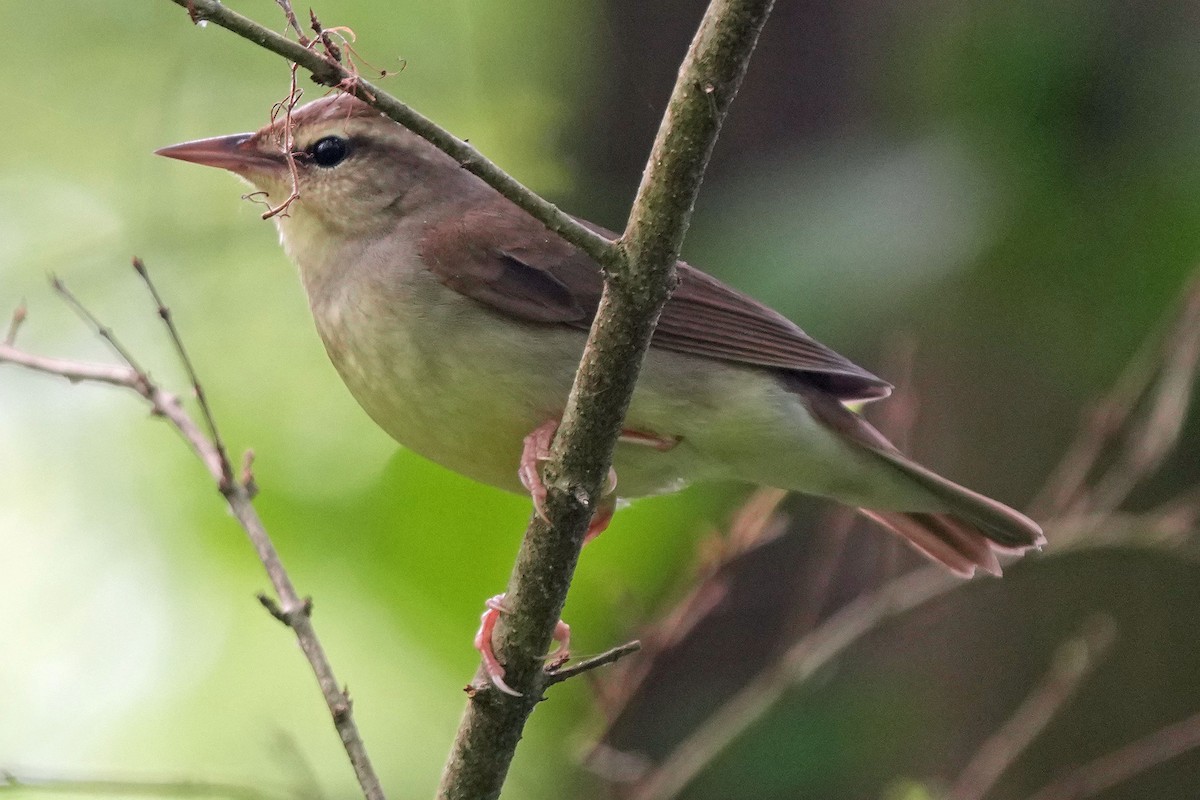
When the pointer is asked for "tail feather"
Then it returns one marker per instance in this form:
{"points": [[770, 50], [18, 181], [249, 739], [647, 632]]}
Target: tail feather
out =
{"points": [[942, 538], [966, 533], [1008, 531]]}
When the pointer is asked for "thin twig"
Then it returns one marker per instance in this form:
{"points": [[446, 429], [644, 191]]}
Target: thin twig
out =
{"points": [[1158, 378], [11, 781], [162, 403], [1072, 663], [102, 330], [14, 324], [293, 23], [756, 523], [608, 657], [826, 642], [809, 654], [1152, 434], [1117, 767], [164, 313], [291, 608], [74, 371]]}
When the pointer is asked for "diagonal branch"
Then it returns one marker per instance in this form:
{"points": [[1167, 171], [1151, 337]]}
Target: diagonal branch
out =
{"points": [[291, 609], [822, 646], [811, 653], [1072, 663], [582, 452], [1116, 767], [1157, 382]]}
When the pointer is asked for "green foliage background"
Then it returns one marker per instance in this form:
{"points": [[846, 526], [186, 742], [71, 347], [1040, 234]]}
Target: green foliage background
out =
{"points": [[1018, 186]]}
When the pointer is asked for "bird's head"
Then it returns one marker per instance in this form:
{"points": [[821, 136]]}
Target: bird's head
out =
{"points": [[354, 171]]}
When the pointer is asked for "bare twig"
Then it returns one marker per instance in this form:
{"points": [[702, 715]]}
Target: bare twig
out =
{"points": [[831, 639], [1070, 666], [291, 609], [14, 324], [756, 523], [811, 653], [293, 23], [15, 782], [808, 655], [1117, 767], [210, 422], [162, 403], [1158, 379], [102, 330], [561, 674]]}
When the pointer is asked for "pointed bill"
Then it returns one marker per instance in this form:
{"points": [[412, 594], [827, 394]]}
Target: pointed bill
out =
{"points": [[240, 152]]}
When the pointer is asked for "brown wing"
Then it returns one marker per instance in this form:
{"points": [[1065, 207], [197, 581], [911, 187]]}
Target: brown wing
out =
{"points": [[510, 262]]}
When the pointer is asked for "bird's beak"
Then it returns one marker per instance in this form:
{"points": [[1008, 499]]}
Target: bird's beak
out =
{"points": [[240, 152]]}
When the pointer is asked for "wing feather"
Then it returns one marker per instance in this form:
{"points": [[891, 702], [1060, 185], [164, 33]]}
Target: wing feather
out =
{"points": [[512, 264]]}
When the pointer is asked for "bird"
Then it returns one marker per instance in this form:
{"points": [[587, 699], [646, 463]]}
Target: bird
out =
{"points": [[457, 321]]}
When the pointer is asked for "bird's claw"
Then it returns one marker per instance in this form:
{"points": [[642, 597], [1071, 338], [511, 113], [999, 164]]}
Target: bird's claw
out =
{"points": [[483, 643], [535, 452]]}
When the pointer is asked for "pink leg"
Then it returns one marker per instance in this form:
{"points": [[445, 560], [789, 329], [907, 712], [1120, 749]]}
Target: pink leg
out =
{"points": [[483, 643], [603, 516], [536, 451]]}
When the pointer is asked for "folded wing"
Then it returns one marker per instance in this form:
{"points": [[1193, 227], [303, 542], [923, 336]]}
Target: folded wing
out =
{"points": [[512, 264]]}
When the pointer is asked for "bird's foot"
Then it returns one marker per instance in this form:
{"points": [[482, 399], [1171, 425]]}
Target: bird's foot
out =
{"points": [[535, 453], [483, 643]]}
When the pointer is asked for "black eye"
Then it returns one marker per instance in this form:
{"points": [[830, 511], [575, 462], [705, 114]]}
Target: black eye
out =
{"points": [[329, 152]]}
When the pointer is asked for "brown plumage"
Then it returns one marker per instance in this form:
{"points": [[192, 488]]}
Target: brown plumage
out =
{"points": [[456, 319]]}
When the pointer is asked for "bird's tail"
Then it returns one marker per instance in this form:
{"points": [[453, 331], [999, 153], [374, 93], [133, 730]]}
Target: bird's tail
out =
{"points": [[967, 531]]}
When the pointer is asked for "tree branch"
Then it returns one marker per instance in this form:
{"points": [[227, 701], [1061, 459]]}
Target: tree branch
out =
{"points": [[558, 675], [1072, 663], [809, 654], [238, 494], [819, 648], [582, 452], [1132, 428], [1119, 766]]}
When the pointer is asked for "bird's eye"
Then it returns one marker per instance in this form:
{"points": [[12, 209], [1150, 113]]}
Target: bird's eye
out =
{"points": [[329, 151]]}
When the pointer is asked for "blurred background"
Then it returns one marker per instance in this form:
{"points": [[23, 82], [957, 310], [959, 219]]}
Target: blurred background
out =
{"points": [[993, 204]]}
